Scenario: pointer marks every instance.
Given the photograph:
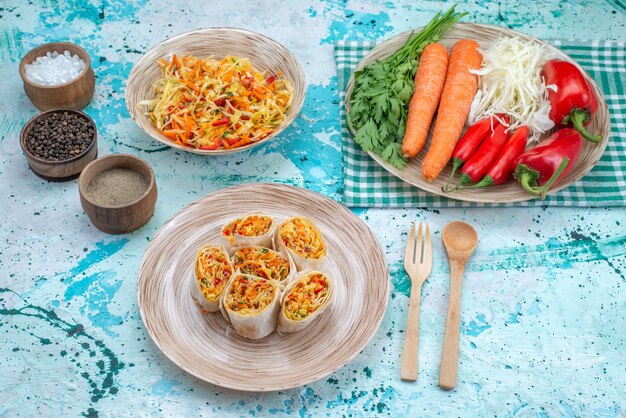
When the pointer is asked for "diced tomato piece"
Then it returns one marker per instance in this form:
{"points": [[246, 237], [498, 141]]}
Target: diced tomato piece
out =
{"points": [[232, 141], [213, 146], [221, 122]]}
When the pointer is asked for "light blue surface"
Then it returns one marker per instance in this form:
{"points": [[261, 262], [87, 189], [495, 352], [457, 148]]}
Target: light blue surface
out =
{"points": [[544, 300]]}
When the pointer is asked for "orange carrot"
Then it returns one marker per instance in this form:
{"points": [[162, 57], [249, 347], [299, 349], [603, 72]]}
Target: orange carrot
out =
{"points": [[456, 100], [241, 143], [170, 134], [258, 95], [429, 80]]}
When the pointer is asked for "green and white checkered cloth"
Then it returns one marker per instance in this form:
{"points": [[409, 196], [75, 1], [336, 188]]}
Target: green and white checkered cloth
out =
{"points": [[366, 184]]}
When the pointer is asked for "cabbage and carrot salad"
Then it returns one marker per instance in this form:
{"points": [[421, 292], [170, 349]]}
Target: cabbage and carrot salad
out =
{"points": [[309, 294], [249, 226], [303, 238], [213, 271], [214, 104], [261, 262], [250, 295]]}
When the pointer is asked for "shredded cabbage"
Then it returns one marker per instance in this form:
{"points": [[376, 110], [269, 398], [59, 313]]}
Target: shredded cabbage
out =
{"points": [[510, 83]]}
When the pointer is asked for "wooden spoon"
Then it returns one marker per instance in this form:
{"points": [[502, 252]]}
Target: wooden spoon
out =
{"points": [[460, 239]]}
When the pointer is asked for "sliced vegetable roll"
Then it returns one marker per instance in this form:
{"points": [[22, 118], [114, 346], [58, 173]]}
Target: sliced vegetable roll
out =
{"points": [[251, 304], [250, 229], [263, 262], [303, 241], [304, 300], [212, 273]]}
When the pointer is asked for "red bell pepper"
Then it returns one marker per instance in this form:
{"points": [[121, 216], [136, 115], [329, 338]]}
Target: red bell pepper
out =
{"points": [[501, 171], [574, 102], [466, 146], [220, 122], [215, 145], [232, 141], [542, 167], [476, 168]]}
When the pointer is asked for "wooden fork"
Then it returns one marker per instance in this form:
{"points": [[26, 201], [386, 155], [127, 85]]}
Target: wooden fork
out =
{"points": [[418, 261]]}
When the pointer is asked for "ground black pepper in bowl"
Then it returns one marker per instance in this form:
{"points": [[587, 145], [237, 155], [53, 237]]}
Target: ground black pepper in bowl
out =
{"points": [[60, 136], [118, 193], [117, 187]]}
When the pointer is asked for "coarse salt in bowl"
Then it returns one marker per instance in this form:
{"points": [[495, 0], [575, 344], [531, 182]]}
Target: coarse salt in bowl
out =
{"points": [[54, 67]]}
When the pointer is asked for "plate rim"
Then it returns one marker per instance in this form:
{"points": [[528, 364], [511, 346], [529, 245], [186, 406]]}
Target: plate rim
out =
{"points": [[141, 278], [162, 139], [463, 198]]}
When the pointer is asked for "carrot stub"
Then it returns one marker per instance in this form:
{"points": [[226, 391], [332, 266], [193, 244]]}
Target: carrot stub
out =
{"points": [[456, 99], [429, 80]]}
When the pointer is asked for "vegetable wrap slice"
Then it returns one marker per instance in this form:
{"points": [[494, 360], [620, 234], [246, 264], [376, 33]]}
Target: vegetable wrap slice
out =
{"points": [[303, 241], [251, 304], [249, 229], [263, 262], [304, 300], [212, 272]]}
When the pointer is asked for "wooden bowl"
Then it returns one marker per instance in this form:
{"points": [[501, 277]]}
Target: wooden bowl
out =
{"points": [[264, 53], [74, 94], [118, 219], [59, 170]]}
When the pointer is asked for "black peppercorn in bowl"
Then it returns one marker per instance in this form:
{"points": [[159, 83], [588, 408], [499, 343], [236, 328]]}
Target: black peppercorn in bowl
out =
{"points": [[59, 143]]}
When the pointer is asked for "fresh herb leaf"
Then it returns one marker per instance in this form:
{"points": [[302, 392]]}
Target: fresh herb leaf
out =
{"points": [[375, 91], [394, 106], [406, 92], [381, 104], [393, 154], [383, 131], [367, 136]]}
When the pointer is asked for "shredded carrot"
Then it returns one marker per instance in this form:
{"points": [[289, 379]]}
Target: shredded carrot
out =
{"points": [[241, 143]]}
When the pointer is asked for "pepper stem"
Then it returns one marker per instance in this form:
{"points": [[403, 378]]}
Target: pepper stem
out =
{"points": [[528, 180], [456, 163], [578, 117], [525, 181], [487, 181], [546, 187], [463, 180]]}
